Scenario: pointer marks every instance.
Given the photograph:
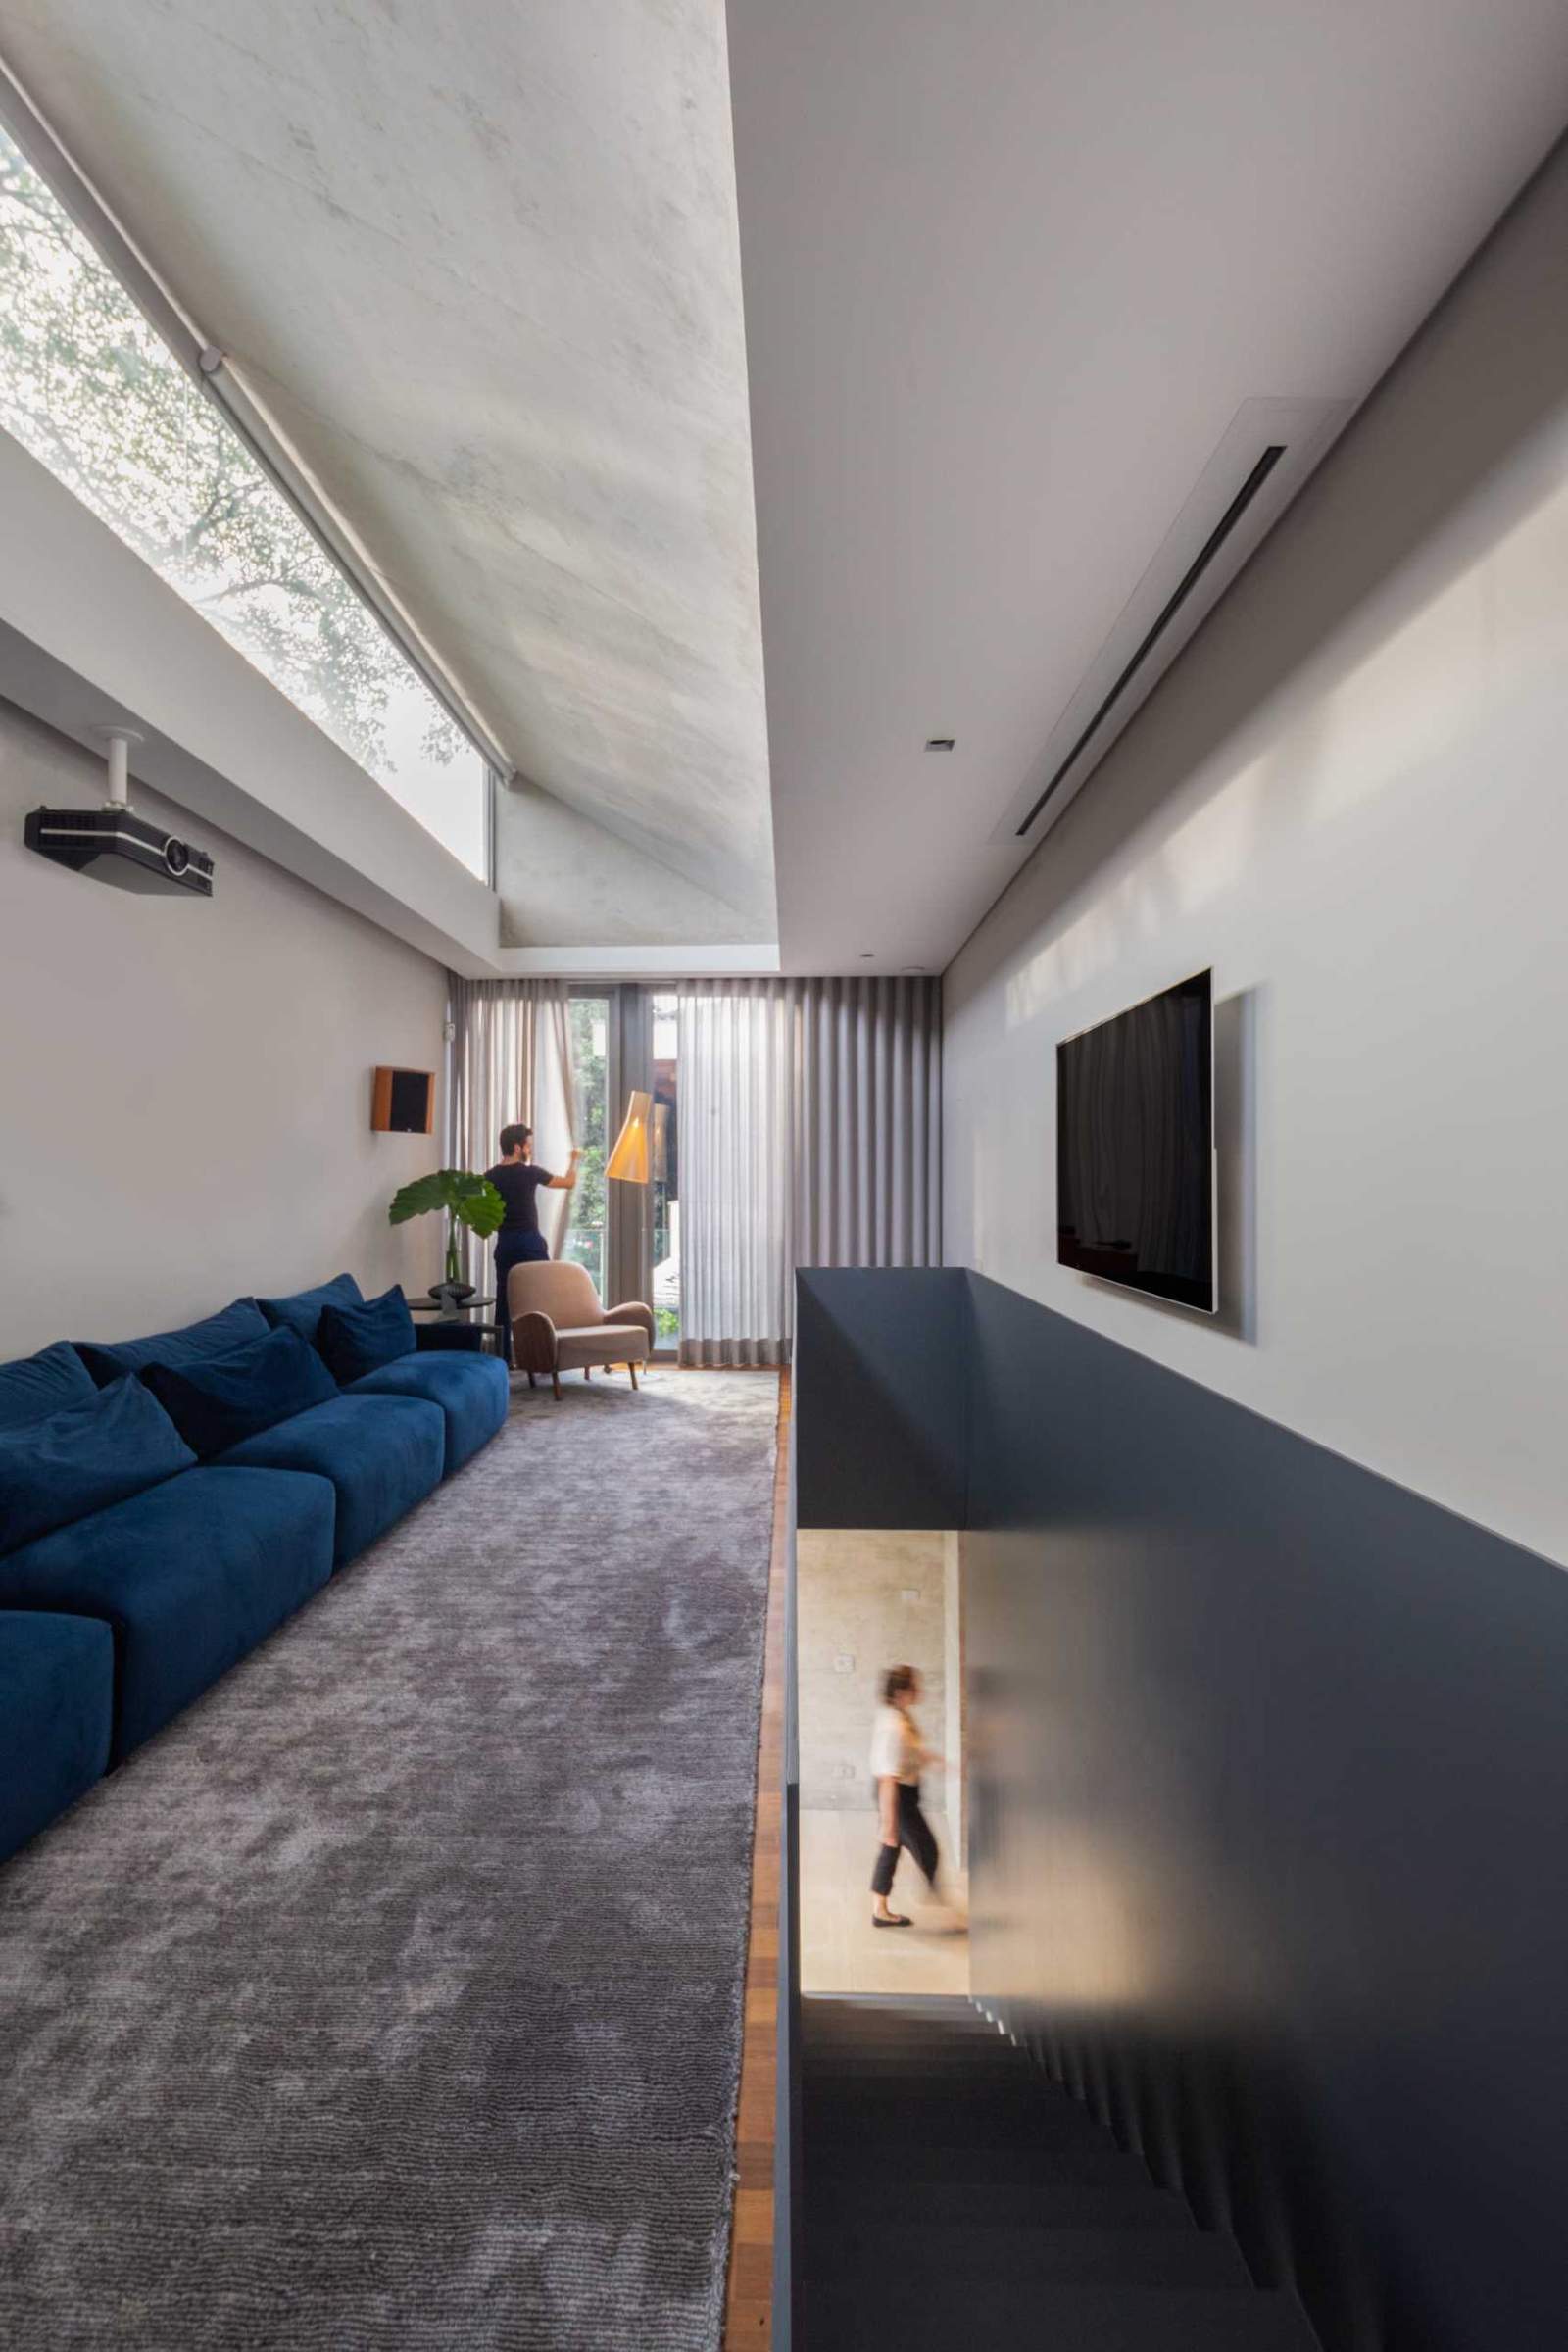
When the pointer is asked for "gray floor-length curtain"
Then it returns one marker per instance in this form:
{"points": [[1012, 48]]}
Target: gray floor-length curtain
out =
{"points": [[868, 1123], [512, 1059], [811, 1135]]}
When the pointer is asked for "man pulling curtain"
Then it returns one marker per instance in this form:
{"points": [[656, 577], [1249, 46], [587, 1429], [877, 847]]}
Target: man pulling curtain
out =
{"points": [[519, 1182]]}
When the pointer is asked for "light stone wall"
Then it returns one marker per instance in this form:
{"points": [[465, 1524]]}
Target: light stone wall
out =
{"points": [[867, 1599], [954, 1745]]}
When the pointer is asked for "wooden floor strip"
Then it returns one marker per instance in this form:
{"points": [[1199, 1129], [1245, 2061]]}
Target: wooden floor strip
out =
{"points": [[749, 2307]]}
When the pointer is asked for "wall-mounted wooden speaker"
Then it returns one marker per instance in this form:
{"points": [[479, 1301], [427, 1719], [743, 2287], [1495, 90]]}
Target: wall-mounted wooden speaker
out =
{"points": [[403, 1102]]}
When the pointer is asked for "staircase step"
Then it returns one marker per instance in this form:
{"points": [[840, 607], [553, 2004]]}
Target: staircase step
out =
{"points": [[860, 2034], [846, 2159], [889, 2005], [893, 2097], [917, 2258], [953, 2196], [951, 2123], [982, 2055], [918, 2056], [964, 2024], [914, 2068], [941, 2204], [897, 2090], [821, 2015], [876, 2041], [1005, 2310]]}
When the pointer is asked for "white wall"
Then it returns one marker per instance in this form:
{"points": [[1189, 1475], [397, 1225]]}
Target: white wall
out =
{"points": [[1350, 797], [184, 1109]]}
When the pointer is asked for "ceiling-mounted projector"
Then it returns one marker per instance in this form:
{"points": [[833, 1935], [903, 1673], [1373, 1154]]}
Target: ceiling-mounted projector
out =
{"points": [[115, 845]]}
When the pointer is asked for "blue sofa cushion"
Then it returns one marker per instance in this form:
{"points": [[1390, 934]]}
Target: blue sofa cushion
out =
{"points": [[472, 1391], [115, 1443], [36, 1385], [301, 1311], [188, 1577], [218, 1403], [214, 1335], [356, 1339], [384, 1454], [56, 1692]]}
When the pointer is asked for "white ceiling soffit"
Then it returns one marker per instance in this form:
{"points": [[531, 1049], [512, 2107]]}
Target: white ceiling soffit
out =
{"points": [[1023, 282], [480, 268]]}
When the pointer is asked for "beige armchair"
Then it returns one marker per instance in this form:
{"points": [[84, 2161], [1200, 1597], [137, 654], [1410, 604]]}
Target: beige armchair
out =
{"points": [[557, 1324]]}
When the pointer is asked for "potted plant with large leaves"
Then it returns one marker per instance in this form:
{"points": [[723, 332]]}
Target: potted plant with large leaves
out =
{"points": [[465, 1200]]}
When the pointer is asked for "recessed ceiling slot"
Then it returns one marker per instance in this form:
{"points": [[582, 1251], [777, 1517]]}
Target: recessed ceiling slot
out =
{"points": [[1173, 604]]}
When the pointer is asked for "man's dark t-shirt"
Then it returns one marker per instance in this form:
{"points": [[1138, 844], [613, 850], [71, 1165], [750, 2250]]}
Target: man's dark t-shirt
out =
{"points": [[518, 1182]]}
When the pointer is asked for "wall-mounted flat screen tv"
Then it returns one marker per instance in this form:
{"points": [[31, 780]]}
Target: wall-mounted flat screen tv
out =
{"points": [[1135, 1147]]}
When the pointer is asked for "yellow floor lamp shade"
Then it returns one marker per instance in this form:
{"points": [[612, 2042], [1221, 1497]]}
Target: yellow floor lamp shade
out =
{"points": [[629, 1159]]}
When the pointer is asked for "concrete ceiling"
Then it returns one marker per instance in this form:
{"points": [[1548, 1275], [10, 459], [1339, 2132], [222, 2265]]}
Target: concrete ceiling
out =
{"points": [[481, 264], [1012, 270]]}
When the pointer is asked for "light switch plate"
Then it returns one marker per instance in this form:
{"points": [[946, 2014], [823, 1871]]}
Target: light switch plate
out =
{"points": [[844, 1662]]}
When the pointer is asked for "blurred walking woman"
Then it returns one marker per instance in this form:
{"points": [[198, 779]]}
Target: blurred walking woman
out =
{"points": [[896, 1757]]}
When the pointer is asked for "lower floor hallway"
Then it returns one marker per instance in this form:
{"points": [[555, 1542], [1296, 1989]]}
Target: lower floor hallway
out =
{"points": [[841, 1951]]}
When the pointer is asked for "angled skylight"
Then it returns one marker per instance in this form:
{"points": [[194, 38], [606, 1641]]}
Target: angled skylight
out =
{"points": [[92, 391]]}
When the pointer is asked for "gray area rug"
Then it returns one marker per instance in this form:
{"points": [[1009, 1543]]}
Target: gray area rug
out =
{"points": [[392, 1996]]}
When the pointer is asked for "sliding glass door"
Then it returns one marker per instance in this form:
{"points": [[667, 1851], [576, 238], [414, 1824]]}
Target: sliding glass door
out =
{"points": [[587, 1238], [628, 1235], [665, 1184]]}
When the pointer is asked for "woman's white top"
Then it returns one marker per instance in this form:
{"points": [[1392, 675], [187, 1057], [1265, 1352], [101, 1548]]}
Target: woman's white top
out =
{"points": [[896, 1750]]}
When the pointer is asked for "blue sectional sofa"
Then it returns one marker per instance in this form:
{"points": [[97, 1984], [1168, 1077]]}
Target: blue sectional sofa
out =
{"points": [[167, 1502], [57, 1692]]}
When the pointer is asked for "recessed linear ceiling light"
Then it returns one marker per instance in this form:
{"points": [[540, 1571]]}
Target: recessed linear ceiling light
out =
{"points": [[939, 743]]}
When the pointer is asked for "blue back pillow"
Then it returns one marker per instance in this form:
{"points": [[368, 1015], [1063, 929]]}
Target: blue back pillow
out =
{"points": [[302, 1310], [36, 1385], [356, 1339], [220, 1403], [214, 1335], [117, 1442]]}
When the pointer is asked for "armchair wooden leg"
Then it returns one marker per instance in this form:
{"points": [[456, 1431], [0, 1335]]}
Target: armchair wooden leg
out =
{"points": [[555, 1383], [530, 1380], [587, 1372], [632, 1369]]}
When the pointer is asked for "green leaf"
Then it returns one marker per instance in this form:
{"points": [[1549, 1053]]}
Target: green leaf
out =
{"points": [[424, 1195], [481, 1207], [455, 1192]]}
